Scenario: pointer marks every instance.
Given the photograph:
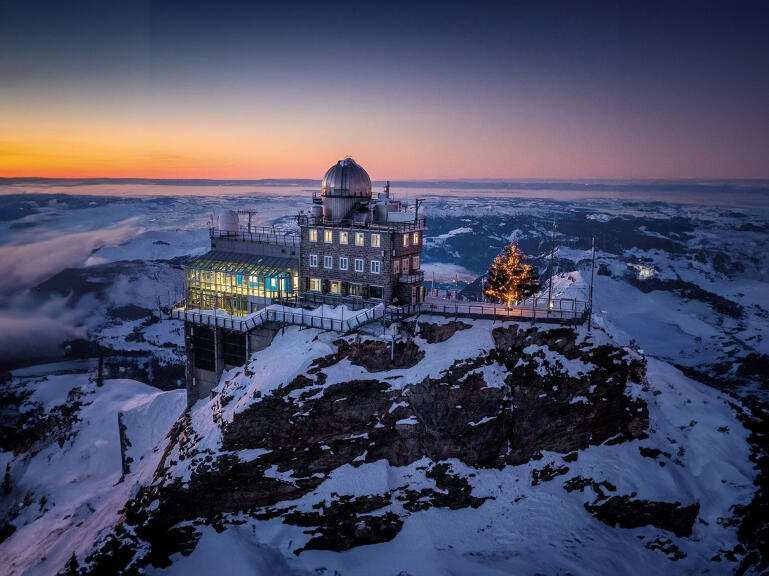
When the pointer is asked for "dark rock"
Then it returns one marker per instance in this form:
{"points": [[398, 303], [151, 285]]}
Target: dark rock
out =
{"points": [[625, 512], [547, 473], [434, 333]]}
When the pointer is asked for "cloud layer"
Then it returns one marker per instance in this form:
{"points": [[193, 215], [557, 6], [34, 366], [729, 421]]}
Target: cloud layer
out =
{"points": [[26, 265]]}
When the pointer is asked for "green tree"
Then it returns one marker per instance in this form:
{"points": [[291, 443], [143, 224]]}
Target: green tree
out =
{"points": [[510, 279]]}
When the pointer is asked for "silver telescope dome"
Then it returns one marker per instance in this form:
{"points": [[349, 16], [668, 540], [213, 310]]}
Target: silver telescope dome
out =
{"points": [[346, 178]]}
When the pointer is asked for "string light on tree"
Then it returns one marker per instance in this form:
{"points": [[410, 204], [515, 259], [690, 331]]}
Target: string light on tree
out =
{"points": [[510, 279]]}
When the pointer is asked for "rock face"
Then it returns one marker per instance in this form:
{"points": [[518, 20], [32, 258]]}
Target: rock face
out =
{"points": [[296, 435], [626, 512]]}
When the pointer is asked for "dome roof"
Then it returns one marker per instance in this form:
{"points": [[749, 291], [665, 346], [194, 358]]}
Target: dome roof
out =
{"points": [[346, 178]]}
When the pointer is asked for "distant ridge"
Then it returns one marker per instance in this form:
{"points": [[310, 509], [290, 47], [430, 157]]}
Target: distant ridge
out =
{"points": [[679, 185]]}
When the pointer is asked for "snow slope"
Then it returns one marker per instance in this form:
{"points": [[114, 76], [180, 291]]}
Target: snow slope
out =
{"points": [[76, 489]]}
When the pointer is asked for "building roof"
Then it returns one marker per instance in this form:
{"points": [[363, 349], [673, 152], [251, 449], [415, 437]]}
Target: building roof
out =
{"points": [[236, 263], [346, 178]]}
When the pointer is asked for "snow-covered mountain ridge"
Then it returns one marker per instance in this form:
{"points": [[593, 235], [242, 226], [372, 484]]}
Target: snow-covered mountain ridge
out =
{"points": [[322, 454]]}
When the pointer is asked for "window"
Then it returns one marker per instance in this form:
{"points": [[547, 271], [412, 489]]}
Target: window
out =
{"points": [[415, 239], [314, 260], [328, 236], [405, 265], [376, 266], [396, 266], [415, 262], [343, 237], [405, 239], [328, 261], [313, 235], [315, 284], [376, 292], [359, 239], [375, 241], [356, 289], [335, 287], [359, 264], [343, 263]]}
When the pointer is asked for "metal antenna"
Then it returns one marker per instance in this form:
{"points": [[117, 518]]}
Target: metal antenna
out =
{"points": [[592, 268], [552, 270]]}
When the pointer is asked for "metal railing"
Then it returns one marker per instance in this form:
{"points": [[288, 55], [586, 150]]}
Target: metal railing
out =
{"points": [[260, 235], [411, 277], [560, 310], [282, 315], [419, 223]]}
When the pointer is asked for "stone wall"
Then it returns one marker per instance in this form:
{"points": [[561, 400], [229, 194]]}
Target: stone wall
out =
{"points": [[351, 251], [391, 244]]}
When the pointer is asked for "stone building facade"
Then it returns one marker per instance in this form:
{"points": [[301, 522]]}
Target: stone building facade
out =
{"points": [[354, 246], [372, 263]]}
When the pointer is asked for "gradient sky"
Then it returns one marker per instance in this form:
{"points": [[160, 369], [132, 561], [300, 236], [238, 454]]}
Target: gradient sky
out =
{"points": [[466, 90]]}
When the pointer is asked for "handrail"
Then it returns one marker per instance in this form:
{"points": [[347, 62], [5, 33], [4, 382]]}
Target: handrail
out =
{"points": [[283, 314], [261, 235], [419, 223]]}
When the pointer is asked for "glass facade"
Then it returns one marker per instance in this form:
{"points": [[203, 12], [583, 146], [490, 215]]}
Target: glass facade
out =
{"points": [[225, 281]]}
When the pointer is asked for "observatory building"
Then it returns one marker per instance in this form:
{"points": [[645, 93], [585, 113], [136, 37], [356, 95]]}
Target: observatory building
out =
{"points": [[353, 245], [349, 249]]}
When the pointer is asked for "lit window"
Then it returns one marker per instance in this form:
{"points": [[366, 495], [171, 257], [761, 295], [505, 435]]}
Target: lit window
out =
{"points": [[376, 266], [396, 266], [328, 236], [314, 260], [343, 237], [415, 262], [405, 239], [356, 289], [315, 284], [359, 264], [336, 287], [313, 235], [375, 241], [416, 238], [328, 261], [343, 263], [359, 239]]}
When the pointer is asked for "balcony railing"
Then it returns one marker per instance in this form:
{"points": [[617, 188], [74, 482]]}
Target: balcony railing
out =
{"points": [[260, 235], [412, 277], [419, 223]]}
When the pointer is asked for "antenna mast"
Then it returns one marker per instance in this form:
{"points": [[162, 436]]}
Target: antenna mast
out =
{"points": [[552, 270], [592, 268]]}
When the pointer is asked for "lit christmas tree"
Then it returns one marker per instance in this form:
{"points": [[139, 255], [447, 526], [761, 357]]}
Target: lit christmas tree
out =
{"points": [[510, 279]]}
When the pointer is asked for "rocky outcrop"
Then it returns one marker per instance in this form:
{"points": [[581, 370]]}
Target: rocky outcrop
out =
{"points": [[306, 429], [435, 333], [627, 512], [374, 355]]}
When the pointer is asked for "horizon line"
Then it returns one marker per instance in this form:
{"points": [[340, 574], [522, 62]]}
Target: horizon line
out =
{"points": [[502, 180]]}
